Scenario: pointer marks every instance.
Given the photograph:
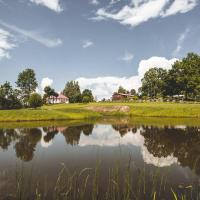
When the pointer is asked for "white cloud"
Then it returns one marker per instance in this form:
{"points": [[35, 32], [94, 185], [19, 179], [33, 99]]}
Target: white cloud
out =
{"points": [[180, 6], [158, 62], [128, 57], [6, 44], [51, 4], [94, 2], [103, 87], [180, 42], [34, 36], [87, 43], [46, 82], [140, 11]]}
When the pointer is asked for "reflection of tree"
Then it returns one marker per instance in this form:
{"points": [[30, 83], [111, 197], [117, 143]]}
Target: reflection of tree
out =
{"points": [[87, 129], [28, 140], [50, 133], [124, 128], [72, 133], [182, 143], [7, 136]]}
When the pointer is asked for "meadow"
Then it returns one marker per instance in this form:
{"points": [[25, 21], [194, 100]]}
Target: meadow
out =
{"points": [[81, 111]]}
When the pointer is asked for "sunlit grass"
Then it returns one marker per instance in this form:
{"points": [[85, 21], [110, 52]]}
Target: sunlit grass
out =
{"points": [[80, 111]]}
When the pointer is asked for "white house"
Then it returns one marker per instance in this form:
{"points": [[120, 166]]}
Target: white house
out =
{"points": [[59, 99]]}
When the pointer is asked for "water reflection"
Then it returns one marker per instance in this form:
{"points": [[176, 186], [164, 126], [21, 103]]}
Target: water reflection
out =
{"points": [[159, 146], [183, 143]]}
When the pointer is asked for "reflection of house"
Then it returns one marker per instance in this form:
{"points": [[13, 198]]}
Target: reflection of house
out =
{"points": [[59, 99], [121, 96]]}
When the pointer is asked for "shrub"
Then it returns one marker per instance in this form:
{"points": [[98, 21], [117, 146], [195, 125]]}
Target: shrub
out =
{"points": [[86, 99], [35, 100]]}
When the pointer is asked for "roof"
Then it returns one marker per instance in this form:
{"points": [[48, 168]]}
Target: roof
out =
{"points": [[60, 96]]}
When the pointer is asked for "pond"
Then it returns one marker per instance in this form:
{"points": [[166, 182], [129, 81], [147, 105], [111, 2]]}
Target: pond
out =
{"points": [[101, 160]]}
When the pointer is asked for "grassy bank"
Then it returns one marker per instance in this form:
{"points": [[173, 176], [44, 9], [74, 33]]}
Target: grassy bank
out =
{"points": [[80, 111]]}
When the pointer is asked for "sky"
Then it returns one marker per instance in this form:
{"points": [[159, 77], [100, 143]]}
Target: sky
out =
{"points": [[100, 43]]}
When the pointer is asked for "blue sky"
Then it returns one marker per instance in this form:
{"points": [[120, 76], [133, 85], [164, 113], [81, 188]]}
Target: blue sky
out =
{"points": [[100, 43]]}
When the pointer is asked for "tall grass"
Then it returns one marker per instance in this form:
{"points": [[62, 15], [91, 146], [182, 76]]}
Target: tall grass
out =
{"points": [[118, 183]]}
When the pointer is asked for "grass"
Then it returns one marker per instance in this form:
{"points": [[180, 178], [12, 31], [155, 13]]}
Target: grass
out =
{"points": [[118, 183], [80, 111]]}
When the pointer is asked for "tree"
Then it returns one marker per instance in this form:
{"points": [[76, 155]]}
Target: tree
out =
{"points": [[87, 96], [184, 77], [133, 92], [35, 100], [86, 99], [27, 84], [49, 92], [153, 83], [73, 92], [121, 90], [9, 97]]}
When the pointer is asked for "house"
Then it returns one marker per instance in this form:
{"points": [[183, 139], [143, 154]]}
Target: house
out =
{"points": [[121, 96], [59, 99]]}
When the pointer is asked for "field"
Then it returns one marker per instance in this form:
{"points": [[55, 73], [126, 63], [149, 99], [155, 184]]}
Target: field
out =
{"points": [[81, 111]]}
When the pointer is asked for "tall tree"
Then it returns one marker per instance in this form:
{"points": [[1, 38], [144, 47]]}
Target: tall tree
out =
{"points": [[73, 92], [184, 77], [27, 84], [153, 83]]}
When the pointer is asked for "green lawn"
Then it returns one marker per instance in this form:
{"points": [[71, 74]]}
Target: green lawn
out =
{"points": [[79, 111]]}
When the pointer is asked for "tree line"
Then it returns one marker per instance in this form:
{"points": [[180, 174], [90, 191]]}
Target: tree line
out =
{"points": [[182, 81], [24, 93]]}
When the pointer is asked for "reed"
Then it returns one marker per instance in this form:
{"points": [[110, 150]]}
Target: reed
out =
{"points": [[92, 183]]}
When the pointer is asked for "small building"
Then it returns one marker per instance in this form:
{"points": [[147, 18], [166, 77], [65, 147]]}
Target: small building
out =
{"points": [[121, 96], [58, 100]]}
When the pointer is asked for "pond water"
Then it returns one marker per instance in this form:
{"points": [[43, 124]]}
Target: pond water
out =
{"points": [[100, 161]]}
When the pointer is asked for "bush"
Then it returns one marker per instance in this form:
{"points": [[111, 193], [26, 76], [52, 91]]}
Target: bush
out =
{"points": [[86, 99], [35, 100]]}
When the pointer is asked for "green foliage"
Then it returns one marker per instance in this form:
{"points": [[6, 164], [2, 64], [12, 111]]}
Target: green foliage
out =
{"points": [[49, 92], [27, 84], [182, 79], [153, 83], [133, 92], [121, 90], [9, 97], [86, 99], [35, 100], [73, 92], [87, 96]]}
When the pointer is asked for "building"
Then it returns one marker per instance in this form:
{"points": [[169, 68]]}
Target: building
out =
{"points": [[121, 96], [59, 99]]}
